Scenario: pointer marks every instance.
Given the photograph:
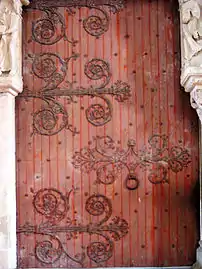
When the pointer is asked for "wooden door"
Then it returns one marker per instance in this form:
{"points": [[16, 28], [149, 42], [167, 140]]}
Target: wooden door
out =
{"points": [[107, 143]]}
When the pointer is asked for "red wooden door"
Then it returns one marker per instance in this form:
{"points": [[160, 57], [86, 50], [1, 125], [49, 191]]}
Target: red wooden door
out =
{"points": [[107, 143]]}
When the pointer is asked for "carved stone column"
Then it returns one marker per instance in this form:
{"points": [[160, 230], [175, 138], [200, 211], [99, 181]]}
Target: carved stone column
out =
{"points": [[191, 51], [191, 73], [10, 86]]}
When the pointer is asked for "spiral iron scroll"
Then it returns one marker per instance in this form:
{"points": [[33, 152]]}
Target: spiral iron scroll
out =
{"points": [[97, 25], [50, 29], [98, 69], [51, 68], [53, 206], [46, 252], [51, 118]]}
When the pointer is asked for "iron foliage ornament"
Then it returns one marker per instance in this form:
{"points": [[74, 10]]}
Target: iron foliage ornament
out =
{"points": [[51, 28], [109, 160], [114, 5], [53, 117], [53, 206]]}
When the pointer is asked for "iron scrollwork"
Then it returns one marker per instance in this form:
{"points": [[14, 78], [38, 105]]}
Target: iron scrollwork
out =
{"points": [[51, 28], [97, 69], [51, 68], [53, 206], [114, 5], [97, 25], [53, 117], [108, 160]]}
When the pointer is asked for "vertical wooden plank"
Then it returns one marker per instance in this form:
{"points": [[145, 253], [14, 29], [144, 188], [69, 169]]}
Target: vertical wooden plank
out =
{"points": [[162, 55], [148, 86]]}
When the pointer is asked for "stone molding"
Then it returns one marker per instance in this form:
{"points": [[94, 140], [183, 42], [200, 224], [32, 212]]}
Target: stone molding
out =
{"points": [[10, 85], [191, 51], [191, 73], [11, 46]]}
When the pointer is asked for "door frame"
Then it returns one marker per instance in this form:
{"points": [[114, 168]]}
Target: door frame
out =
{"points": [[11, 83]]}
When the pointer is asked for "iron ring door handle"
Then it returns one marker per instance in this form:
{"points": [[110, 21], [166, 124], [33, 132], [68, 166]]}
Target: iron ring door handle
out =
{"points": [[132, 182]]}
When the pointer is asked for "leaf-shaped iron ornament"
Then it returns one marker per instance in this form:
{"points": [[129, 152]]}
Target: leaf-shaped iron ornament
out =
{"points": [[109, 161]]}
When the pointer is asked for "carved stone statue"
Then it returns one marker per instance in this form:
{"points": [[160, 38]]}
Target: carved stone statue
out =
{"points": [[10, 16], [25, 2], [191, 28]]}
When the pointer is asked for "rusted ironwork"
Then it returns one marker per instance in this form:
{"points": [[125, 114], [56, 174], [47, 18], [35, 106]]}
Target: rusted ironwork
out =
{"points": [[98, 69], [51, 28], [108, 160], [53, 117], [54, 205], [114, 5], [51, 68], [97, 25]]}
